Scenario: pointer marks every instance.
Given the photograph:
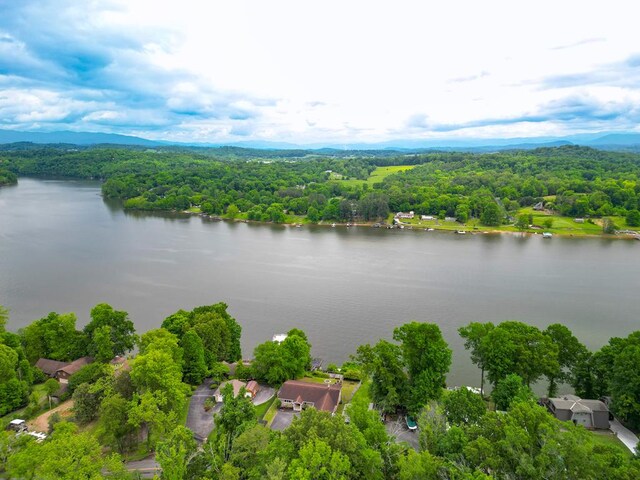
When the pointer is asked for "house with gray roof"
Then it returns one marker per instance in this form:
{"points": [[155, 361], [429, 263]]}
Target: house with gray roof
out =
{"points": [[592, 414]]}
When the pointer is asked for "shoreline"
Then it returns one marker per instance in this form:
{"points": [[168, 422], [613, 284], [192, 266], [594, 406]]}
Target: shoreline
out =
{"points": [[385, 226]]}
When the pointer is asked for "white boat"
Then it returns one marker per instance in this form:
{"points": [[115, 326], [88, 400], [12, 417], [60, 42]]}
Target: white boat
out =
{"points": [[333, 225], [547, 235], [461, 232]]}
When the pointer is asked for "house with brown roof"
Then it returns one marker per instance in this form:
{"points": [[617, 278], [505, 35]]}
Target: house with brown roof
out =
{"points": [[63, 374], [236, 384], [50, 367], [588, 413], [252, 387], [298, 395]]}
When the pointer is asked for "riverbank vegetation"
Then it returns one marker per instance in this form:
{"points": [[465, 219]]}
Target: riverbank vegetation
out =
{"points": [[130, 407], [572, 190], [7, 177]]}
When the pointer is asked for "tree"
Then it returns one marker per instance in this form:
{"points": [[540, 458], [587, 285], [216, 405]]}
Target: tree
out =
{"points": [[276, 362], [156, 372], [297, 351], [174, 454], [270, 364], [474, 335], [571, 353], [633, 218], [463, 407], [314, 425], [522, 222], [51, 386], [515, 347], [114, 428], [86, 403], [232, 211], [162, 340], [317, 460], [55, 337], [608, 227], [491, 214], [509, 390], [150, 409], [236, 415], [428, 358], [89, 374], [101, 344], [121, 329], [219, 331], [8, 363], [195, 367], [67, 454], [383, 364]]}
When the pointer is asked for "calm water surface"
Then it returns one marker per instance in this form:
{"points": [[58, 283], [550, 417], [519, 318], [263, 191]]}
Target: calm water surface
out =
{"points": [[62, 248]]}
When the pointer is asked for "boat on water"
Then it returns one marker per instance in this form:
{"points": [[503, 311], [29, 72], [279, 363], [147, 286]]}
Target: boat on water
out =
{"points": [[461, 232], [547, 235], [411, 423], [333, 225]]}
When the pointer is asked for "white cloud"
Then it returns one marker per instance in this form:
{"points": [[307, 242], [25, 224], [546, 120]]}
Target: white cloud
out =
{"points": [[320, 71]]}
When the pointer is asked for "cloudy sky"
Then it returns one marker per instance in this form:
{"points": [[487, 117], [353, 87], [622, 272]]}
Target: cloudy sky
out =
{"points": [[319, 71]]}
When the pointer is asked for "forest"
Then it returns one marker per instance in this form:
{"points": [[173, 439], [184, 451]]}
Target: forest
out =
{"points": [[129, 409], [493, 189]]}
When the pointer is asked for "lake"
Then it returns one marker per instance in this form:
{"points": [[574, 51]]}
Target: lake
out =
{"points": [[62, 248]]}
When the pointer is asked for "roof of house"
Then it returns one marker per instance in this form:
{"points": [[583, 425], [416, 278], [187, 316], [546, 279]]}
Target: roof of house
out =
{"points": [[252, 386], [236, 384], [76, 365], [50, 367], [576, 404], [324, 397]]}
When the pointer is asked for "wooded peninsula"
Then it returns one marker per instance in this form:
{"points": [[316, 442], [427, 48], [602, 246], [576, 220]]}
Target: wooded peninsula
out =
{"points": [[566, 190]]}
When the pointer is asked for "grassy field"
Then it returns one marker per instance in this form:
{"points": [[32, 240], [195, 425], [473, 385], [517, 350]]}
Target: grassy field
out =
{"points": [[609, 439], [377, 175], [560, 225]]}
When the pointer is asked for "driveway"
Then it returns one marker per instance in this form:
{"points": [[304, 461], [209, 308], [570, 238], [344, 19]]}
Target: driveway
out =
{"points": [[264, 395], [398, 428], [199, 421], [625, 435], [146, 468], [283, 419]]}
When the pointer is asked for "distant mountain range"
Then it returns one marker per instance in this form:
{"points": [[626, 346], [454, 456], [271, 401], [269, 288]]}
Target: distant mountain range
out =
{"points": [[603, 140]]}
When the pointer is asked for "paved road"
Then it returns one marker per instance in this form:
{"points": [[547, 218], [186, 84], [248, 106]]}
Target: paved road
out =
{"points": [[199, 421], [146, 467], [283, 419], [625, 435]]}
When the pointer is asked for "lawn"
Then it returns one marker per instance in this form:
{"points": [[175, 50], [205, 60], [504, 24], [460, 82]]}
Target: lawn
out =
{"points": [[377, 175], [271, 412], [560, 225], [261, 410], [609, 439]]}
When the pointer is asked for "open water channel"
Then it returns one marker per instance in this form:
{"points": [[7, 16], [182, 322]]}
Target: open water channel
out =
{"points": [[62, 248]]}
